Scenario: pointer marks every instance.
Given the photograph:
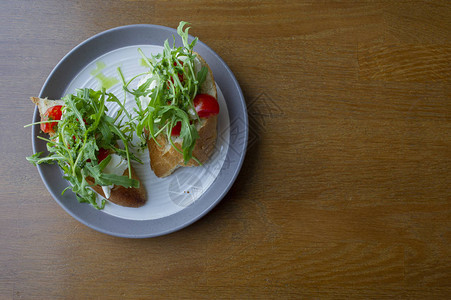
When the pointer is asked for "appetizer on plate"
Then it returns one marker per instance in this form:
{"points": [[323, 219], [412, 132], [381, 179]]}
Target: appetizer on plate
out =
{"points": [[177, 107], [84, 142]]}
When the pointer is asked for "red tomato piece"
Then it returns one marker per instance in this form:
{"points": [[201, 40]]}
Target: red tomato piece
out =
{"points": [[176, 129], [53, 113], [206, 105], [103, 153]]}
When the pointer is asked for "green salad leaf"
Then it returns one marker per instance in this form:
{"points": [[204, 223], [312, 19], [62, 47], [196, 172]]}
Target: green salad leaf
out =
{"points": [[83, 130], [169, 86]]}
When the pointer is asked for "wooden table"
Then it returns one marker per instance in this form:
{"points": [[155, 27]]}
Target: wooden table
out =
{"points": [[345, 189]]}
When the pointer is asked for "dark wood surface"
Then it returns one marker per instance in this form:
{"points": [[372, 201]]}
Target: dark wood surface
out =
{"points": [[345, 190]]}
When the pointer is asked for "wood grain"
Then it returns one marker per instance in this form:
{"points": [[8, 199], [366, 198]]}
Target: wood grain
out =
{"points": [[405, 62], [345, 189]]}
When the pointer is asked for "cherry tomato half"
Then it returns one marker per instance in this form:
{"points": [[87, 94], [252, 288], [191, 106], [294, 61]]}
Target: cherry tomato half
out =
{"points": [[176, 129], [206, 105], [53, 113]]}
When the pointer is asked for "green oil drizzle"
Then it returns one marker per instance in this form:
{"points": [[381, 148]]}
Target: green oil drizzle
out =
{"points": [[104, 81], [144, 63]]}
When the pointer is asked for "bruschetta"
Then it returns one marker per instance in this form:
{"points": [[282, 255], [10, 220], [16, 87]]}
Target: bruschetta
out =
{"points": [[84, 141], [177, 107]]}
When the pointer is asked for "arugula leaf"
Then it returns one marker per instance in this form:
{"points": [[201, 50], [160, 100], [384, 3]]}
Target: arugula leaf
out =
{"points": [[202, 75], [119, 180]]}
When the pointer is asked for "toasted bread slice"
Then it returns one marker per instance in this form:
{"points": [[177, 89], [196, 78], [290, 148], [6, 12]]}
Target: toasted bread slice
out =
{"points": [[165, 160], [130, 197]]}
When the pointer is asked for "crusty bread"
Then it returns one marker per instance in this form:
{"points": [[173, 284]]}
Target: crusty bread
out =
{"points": [[165, 160], [130, 197]]}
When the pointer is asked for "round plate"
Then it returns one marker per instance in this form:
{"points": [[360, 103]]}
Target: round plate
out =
{"points": [[179, 199]]}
